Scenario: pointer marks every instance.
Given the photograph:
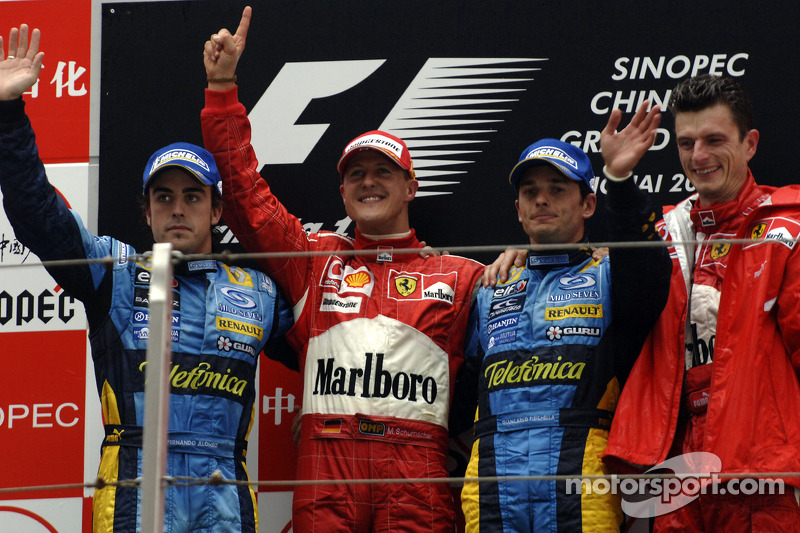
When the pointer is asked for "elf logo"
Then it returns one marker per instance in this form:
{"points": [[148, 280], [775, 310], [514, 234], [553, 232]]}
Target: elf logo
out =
{"points": [[468, 86]]}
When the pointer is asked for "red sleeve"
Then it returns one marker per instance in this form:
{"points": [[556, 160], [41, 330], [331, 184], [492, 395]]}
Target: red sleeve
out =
{"points": [[256, 217], [788, 304]]}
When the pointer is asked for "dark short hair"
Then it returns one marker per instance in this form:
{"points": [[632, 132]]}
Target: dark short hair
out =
{"points": [[707, 90]]}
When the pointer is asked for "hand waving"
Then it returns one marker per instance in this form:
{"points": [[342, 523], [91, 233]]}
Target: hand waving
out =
{"points": [[20, 69], [623, 150]]}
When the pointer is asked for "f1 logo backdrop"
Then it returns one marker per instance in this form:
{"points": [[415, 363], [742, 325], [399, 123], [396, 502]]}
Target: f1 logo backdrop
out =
{"points": [[468, 84]]}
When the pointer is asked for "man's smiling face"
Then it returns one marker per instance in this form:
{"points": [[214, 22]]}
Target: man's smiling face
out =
{"points": [[713, 153], [376, 193]]}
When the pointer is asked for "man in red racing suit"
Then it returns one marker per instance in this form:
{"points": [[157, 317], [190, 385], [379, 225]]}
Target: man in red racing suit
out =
{"points": [[380, 335], [719, 372]]}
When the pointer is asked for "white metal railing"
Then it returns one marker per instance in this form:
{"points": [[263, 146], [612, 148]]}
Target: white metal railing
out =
{"points": [[156, 390]]}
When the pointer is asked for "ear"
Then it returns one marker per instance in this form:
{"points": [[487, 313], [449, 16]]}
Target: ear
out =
{"points": [[751, 143], [516, 204], [589, 205], [341, 191], [147, 214], [411, 189], [216, 214]]}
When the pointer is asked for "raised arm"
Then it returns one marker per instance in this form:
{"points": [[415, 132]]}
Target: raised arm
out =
{"points": [[640, 275], [251, 211], [39, 216]]}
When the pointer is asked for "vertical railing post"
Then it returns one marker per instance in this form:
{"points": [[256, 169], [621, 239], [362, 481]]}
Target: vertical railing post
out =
{"points": [[156, 390]]}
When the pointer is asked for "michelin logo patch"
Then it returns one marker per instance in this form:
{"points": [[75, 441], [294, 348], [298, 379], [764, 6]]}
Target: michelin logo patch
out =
{"points": [[181, 155], [552, 153]]}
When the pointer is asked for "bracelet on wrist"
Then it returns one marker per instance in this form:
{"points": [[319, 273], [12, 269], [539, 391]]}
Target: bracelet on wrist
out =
{"points": [[616, 178], [221, 80]]}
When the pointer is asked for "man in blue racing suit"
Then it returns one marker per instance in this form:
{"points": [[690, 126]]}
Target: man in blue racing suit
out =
{"points": [[555, 341], [223, 316]]}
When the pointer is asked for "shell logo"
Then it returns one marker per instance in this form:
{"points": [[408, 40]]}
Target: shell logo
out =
{"points": [[357, 279]]}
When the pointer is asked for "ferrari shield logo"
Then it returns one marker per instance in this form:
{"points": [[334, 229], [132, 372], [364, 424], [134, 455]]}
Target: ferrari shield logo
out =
{"points": [[720, 250], [758, 231], [405, 285]]}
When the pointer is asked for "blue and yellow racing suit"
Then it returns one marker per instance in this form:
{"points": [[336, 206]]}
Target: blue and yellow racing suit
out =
{"points": [[223, 316], [552, 348]]}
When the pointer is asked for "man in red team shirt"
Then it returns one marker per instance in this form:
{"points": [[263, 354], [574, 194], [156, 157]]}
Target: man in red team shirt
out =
{"points": [[718, 373], [379, 336]]}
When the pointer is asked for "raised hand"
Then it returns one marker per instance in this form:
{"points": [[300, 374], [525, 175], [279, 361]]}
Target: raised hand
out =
{"points": [[20, 69], [222, 52], [622, 150]]}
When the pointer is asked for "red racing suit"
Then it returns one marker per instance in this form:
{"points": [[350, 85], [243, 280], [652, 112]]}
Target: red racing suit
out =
{"points": [[748, 396], [380, 338]]}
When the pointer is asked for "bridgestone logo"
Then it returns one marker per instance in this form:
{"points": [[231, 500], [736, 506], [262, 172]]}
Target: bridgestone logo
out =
{"points": [[378, 141], [372, 381], [338, 304]]}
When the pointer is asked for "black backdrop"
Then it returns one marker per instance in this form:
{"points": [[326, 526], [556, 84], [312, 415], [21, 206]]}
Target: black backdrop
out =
{"points": [[152, 84]]}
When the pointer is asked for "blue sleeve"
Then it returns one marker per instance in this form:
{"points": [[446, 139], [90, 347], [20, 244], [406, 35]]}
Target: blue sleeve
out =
{"points": [[465, 391], [640, 276], [277, 348], [284, 314], [40, 217]]}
